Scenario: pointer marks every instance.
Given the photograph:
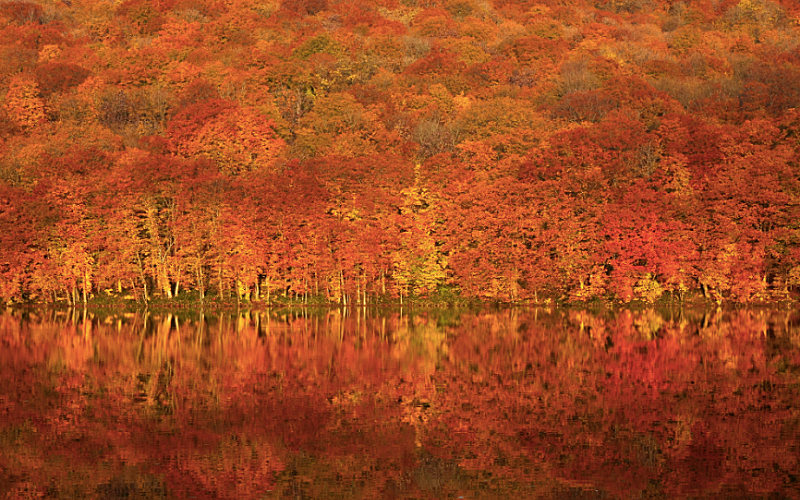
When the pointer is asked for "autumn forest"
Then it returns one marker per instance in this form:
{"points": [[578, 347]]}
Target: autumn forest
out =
{"points": [[390, 150]]}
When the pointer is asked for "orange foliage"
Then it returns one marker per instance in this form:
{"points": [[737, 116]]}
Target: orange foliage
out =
{"points": [[24, 103]]}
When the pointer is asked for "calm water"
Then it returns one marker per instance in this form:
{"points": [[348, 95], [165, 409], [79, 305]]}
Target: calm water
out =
{"points": [[384, 404]]}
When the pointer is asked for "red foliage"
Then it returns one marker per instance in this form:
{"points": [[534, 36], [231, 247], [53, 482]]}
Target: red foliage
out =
{"points": [[771, 88], [197, 91], [57, 77], [8, 126], [587, 106], [194, 116], [146, 15], [528, 50], [22, 12], [363, 19], [304, 7], [438, 62]]}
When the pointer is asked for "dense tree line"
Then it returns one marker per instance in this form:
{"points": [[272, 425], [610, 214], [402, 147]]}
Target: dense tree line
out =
{"points": [[350, 151]]}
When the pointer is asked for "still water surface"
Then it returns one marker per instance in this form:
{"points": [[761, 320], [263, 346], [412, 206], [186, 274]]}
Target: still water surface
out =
{"points": [[384, 404]]}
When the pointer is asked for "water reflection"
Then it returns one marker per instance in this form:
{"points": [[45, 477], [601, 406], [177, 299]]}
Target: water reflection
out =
{"points": [[361, 403]]}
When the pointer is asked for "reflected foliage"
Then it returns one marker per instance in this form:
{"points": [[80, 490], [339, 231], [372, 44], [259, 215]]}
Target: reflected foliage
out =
{"points": [[392, 403]]}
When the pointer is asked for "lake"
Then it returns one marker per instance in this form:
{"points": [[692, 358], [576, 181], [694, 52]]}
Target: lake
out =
{"points": [[400, 404]]}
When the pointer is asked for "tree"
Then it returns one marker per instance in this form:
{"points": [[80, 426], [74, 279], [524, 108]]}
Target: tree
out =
{"points": [[24, 103], [237, 138]]}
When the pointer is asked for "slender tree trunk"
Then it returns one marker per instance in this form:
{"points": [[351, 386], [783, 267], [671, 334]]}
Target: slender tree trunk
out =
{"points": [[144, 290], [341, 287], [85, 285], [177, 282], [159, 253], [143, 277], [163, 280], [221, 289], [201, 284]]}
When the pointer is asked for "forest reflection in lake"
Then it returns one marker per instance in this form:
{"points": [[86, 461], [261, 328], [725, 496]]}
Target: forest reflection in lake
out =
{"points": [[368, 403]]}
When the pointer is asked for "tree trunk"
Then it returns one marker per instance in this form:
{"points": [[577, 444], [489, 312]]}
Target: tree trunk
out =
{"points": [[143, 277], [85, 285], [201, 286], [163, 280], [177, 282], [341, 287], [221, 289], [135, 292], [144, 290], [159, 253]]}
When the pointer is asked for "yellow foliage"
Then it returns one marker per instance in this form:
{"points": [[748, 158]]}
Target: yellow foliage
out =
{"points": [[794, 276], [546, 29], [481, 31], [468, 51], [418, 266], [648, 289], [442, 96], [338, 125], [684, 39], [49, 52], [462, 102], [678, 175], [401, 15]]}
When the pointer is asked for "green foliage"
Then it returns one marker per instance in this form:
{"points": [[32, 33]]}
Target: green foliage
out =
{"points": [[321, 44]]}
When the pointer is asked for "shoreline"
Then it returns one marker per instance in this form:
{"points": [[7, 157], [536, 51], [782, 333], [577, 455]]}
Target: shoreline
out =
{"points": [[178, 304]]}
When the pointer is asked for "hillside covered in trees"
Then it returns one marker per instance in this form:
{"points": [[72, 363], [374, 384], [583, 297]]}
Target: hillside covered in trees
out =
{"points": [[348, 151]]}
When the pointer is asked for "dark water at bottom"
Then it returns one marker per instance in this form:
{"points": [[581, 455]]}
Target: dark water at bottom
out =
{"points": [[387, 404]]}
